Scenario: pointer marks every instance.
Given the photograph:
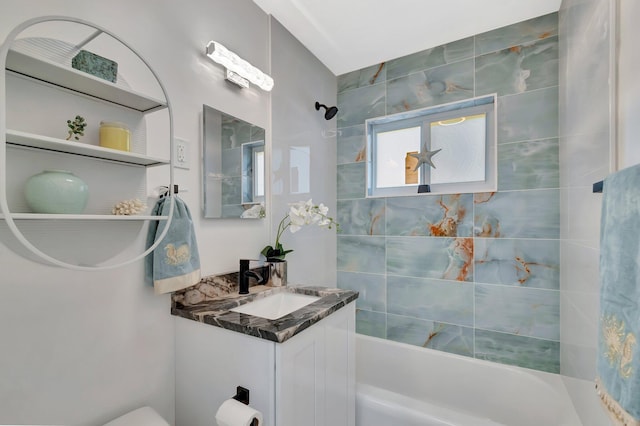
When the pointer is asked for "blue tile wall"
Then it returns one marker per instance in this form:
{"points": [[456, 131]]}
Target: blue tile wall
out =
{"points": [[472, 274]]}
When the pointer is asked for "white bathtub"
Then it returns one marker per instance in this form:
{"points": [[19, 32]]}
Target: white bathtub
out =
{"points": [[403, 385]]}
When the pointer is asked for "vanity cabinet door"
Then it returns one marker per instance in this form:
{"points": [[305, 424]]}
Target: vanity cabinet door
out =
{"points": [[315, 374], [340, 371], [300, 383]]}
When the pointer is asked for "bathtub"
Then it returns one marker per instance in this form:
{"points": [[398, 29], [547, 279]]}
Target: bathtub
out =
{"points": [[404, 385]]}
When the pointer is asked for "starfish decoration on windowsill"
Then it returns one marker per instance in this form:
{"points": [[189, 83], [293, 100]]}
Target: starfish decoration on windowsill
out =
{"points": [[424, 157]]}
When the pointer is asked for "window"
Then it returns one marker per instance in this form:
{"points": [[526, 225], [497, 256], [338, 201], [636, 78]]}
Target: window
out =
{"points": [[458, 139], [253, 172]]}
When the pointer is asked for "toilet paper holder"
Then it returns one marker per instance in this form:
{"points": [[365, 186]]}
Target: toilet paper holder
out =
{"points": [[242, 395]]}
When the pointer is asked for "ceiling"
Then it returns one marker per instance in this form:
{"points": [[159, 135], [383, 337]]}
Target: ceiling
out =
{"points": [[347, 35]]}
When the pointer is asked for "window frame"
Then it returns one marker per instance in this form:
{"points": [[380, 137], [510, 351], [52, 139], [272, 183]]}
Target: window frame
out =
{"points": [[424, 117]]}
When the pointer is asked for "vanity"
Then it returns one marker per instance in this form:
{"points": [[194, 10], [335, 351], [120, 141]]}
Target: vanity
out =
{"points": [[292, 347]]}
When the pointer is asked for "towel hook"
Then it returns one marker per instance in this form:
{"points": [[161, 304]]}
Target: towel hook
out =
{"points": [[164, 191]]}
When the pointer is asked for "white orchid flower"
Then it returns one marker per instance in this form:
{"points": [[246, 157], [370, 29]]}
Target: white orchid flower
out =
{"points": [[300, 214]]}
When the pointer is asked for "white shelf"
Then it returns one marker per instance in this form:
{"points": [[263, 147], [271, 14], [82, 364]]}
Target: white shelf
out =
{"points": [[81, 82], [18, 138], [41, 216]]}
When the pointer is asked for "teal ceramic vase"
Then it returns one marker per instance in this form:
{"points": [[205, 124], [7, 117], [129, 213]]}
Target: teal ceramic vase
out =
{"points": [[56, 191]]}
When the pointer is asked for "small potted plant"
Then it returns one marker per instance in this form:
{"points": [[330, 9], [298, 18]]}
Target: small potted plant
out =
{"points": [[76, 127]]}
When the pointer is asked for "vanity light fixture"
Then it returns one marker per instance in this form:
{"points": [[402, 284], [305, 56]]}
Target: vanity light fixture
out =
{"points": [[238, 70]]}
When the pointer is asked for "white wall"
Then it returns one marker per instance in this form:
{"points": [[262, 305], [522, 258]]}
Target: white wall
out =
{"points": [[81, 348], [587, 100], [628, 84], [301, 80]]}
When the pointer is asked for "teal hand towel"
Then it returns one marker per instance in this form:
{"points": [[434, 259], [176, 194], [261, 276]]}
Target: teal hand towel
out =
{"points": [[175, 263], [618, 363]]}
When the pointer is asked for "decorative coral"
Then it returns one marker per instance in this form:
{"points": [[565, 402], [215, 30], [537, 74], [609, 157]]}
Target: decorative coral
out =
{"points": [[129, 207]]}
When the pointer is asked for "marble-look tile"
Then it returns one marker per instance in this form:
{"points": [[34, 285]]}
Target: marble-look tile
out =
{"points": [[257, 134], [518, 214], [521, 263], [528, 165], [430, 58], [361, 254], [430, 334], [430, 257], [234, 132], [519, 68], [363, 77], [231, 190], [521, 351], [231, 162], [528, 116], [371, 323], [351, 181], [371, 288], [431, 215], [516, 34], [351, 145], [444, 84], [355, 106], [365, 216], [435, 300], [521, 311]]}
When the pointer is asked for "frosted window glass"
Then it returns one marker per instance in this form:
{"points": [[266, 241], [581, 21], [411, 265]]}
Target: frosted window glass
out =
{"points": [[391, 150], [462, 141]]}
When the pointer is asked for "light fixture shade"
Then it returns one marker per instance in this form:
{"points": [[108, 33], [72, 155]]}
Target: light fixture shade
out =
{"points": [[232, 62]]}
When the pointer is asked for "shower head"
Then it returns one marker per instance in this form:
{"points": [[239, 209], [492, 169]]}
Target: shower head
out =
{"points": [[330, 111]]}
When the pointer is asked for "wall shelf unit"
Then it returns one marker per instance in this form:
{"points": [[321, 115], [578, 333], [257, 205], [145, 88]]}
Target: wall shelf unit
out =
{"points": [[43, 216], [40, 90], [68, 78], [30, 140]]}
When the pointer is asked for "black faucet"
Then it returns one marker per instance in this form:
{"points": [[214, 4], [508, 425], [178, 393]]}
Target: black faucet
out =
{"points": [[246, 273]]}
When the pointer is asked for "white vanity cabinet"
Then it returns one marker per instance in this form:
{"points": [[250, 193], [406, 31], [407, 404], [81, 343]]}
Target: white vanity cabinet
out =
{"points": [[307, 380]]}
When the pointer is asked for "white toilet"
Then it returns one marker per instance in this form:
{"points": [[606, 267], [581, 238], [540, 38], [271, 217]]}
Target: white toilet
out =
{"points": [[145, 416]]}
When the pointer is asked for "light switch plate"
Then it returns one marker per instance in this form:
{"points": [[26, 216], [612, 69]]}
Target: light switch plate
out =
{"points": [[181, 154]]}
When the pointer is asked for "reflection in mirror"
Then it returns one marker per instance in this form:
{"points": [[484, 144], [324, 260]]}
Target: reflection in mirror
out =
{"points": [[234, 167], [300, 169]]}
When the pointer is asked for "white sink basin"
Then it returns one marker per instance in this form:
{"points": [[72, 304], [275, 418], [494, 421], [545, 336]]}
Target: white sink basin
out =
{"points": [[276, 305]]}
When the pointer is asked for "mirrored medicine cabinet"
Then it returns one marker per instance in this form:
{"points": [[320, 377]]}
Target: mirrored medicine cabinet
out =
{"points": [[234, 167]]}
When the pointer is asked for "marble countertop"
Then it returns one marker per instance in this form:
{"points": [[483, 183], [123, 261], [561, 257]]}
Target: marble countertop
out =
{"points": [[216, 311]]}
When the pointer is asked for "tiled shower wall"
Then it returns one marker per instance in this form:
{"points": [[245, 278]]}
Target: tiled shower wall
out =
{"points": [[472, 274], [235, 133]]}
